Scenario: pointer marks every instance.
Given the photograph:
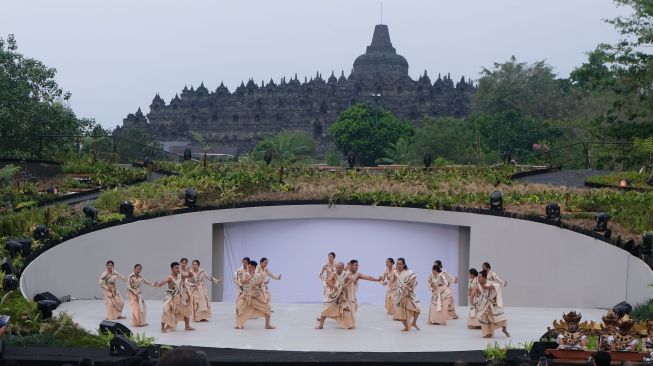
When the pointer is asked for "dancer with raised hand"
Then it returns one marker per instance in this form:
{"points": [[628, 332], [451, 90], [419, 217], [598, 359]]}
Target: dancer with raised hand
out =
{"points": [[406, 302], [451, 309], [329, 267], [389, 277], [199, 296], [112, 299], [135, 295], [336, 303], [492, 276], [473, 295], [251, 302], [489, 308], [175, 308], [440, 297], [263, 268], [352, 288]]}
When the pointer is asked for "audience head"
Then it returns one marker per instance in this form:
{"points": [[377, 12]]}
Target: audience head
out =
{"points": [[183, 356], [601, 358]]}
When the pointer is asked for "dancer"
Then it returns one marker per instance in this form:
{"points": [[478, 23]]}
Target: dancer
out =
{"points": [[135, 295], [175, 309], [199, 296], [352, 287], [336, 303], [263, 268], [406, 302], [440, 297], [389, 277], [489, 309], [472, 322], [112, 299], [239, 274], [451, 309], [492, 276], [251, 302], [328, 268]]}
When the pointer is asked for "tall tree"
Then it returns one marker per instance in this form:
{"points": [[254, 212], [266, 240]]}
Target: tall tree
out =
{"points": [[368, 132], [287, 147]]}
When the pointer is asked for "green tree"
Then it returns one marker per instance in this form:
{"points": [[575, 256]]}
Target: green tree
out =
{"points": [[135, 144], [32, 104], [450, 138], [287, 147], [358, 129]]}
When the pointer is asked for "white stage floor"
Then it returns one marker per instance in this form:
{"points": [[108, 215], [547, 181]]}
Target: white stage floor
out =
{"points": [[375, 332]]}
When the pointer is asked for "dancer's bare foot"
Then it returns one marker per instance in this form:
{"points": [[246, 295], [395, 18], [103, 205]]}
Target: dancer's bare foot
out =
{"points": [[505, 331], [237, 327], [122, 317], [487, 336], [405, 329], [269, 327], [415, 326], [319, 327], [203, 320], [189, 328]]}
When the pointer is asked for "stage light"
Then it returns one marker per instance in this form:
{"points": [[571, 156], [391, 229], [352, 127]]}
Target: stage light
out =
{"points": [[647, 243], [126, 208], [115, 328], [553, 211], [10, 282], [623, 183], [496, 201], [13, 247], [6, 266], [428, 159], [607, 234], [147, 161], [41, 232], [190, 197], [46, 307], [601, 221], [629, 245], [267, 157], [188, 154], [90, 212], [351, 159], [26, 245]]}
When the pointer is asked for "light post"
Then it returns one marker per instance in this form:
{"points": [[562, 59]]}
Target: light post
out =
{"points": [[377, 99]]}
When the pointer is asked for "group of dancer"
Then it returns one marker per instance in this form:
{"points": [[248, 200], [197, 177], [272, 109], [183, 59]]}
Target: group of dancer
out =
{"points": [[187, 298], [484, 292]]}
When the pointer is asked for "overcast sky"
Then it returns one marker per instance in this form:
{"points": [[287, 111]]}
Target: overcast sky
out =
{"points": [[113, 56]]}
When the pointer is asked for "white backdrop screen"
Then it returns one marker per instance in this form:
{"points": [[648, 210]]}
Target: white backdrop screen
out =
{"points": [[297, 249]]}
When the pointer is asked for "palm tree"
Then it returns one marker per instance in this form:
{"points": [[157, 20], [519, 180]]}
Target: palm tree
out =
{"points": [[287, 147]]}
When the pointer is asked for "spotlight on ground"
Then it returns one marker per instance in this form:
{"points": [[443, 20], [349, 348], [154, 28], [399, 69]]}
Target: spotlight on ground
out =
{"points": [[190, 197], [13, 247], [506, 157], [126, 208], [601, 221], [147, 161], [41, 232], [351, 159], [188, 154], [9, 282], [90, 212], [25, 246], [6, 266], [46, 307], [428, 159], [267, 157], [553, 211], [496, 201]]}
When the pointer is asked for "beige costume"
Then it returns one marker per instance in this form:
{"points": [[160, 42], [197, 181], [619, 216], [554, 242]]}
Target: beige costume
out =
{"points": [[406, 302], [389, 278], [489, 309], [336, 303], [440, 299], [136, 301], [451, 308], [251, 302], [472, 321], [175, 307], [112, 299], [264, 286], [199, 296]]}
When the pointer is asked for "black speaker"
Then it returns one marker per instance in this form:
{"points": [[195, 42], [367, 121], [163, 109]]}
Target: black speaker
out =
{"points": [[46, 296], [538, 349], [622, 308], [122, 346], [27, 245], [515, 356], [114, 328]]}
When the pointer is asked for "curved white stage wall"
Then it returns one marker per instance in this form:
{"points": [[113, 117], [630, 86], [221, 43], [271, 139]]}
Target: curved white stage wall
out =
{"points": [[297, 249], [546, 266]]}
